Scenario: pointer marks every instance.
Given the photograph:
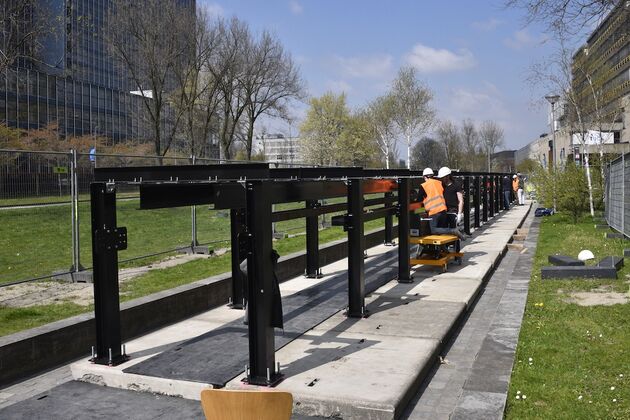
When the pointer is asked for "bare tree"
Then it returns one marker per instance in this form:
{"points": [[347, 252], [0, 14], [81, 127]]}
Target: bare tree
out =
{"points": [[470, 144], [413, 112], [556, 75], [564, 16], [380, 113], [138, 39], [449, 137], [270, 82], [491, 135], [24, 26]]}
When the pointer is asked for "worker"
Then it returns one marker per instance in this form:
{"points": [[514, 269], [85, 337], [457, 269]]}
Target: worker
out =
{"points": [[431, 194], [520, 190], [453, 196], [515, 185], [507, 192]]}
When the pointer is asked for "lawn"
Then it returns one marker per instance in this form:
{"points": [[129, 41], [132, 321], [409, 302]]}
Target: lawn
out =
{"points": [[572, 361], [17, 319]]}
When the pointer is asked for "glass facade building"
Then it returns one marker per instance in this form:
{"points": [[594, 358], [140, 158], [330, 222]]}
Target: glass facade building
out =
{"points": [[75, 83]]}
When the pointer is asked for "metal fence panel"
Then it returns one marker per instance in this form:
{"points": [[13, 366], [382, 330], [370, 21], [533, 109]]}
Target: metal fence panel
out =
{"points": [[617, 198]]}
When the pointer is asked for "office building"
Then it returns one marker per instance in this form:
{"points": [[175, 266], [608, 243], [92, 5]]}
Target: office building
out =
{"points": [[74, 83]]}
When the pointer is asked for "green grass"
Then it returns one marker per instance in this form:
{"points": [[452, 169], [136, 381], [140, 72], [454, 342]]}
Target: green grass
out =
{"points": [[17, 319], [575, 351]]}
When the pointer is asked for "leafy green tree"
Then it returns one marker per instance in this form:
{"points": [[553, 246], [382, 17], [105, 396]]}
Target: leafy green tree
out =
{"points": [[572, 190]]}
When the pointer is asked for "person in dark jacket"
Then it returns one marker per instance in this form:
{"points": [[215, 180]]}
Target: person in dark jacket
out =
{"points": [[507, 192]]}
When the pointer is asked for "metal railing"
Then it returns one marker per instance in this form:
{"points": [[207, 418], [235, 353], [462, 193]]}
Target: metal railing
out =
{"points": [[45, 208], [617, 194]]}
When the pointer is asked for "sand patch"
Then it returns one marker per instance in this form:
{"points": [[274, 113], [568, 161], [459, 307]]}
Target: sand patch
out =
{"points": [[52, 291], [602, 295]]}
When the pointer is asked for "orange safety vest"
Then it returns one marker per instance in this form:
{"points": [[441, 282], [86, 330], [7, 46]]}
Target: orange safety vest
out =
{"points": [[515, 184], [434, 202]]}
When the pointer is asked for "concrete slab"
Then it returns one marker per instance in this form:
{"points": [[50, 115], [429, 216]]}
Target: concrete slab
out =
{"points": [[343, 375], [438, 288], [392, 316]]}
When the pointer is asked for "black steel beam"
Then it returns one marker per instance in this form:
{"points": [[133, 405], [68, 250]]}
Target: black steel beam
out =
{"points": [[356, 247], [312, 241], [105, 248], [490, 183], [404, 267], [224, 195], [182, 172], [379, 213], [262, 369]]}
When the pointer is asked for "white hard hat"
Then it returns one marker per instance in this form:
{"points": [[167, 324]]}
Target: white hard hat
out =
{"points": [[427, 172], [585, 255], [443, 172], [514, 176]]}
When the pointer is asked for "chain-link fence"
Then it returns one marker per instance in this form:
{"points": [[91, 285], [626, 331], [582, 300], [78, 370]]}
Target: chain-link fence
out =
{"points": [[45, 215], [617, 196]]}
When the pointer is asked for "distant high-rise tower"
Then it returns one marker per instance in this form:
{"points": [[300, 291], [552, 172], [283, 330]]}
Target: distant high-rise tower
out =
{"points": [[74, 82]]}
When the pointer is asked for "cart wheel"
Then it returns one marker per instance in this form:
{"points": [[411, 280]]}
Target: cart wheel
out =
{"points": [[458, 260], [444, 268]]}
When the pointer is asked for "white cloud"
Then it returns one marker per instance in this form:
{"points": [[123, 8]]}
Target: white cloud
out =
{"points": [[371, 67], [484, 103], [295, 7], [213, 9], [338, 86], [431, 60], [487, 25], [523, 39]]}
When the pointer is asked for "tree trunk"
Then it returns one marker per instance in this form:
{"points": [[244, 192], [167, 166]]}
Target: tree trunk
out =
{"points": [[387, 155], [250, 138], [408, 151], [589, 181]]}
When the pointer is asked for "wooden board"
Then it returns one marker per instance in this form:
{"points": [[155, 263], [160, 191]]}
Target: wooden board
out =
{"points": [[433, 240]]}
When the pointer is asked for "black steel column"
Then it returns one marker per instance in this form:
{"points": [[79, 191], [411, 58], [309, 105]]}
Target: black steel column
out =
{"points": [[107, 240], [497, 195], [356, 247], [262, 370], [477, 201], [404, 268], [237, 232], [484, 180], [389, 224], [490, 194], [312, 242], [467, 205]]}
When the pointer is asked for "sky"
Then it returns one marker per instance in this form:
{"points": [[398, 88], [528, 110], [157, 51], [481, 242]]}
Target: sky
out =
{"points": [[474, 55]]}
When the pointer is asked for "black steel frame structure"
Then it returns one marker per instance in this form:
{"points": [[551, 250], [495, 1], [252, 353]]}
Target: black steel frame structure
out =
{"points": [[249, 191]]}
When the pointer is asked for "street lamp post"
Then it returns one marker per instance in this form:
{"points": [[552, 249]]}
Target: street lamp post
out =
{"points": [[553, 99]]}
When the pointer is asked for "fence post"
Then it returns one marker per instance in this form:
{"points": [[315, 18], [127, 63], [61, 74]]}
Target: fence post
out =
{"points": [[193, 219], [74, 213]]}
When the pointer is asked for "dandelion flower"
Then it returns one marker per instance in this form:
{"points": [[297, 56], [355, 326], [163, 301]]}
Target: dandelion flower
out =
{"points": [[612, 388], [580, 397], [600, 336], [518, 392], [621, 375], [518, 397], [590, 402], [614, 399], [525, 396]]}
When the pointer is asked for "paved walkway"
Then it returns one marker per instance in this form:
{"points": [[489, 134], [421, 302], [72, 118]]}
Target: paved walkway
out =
{"points": [[472, 382]]}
